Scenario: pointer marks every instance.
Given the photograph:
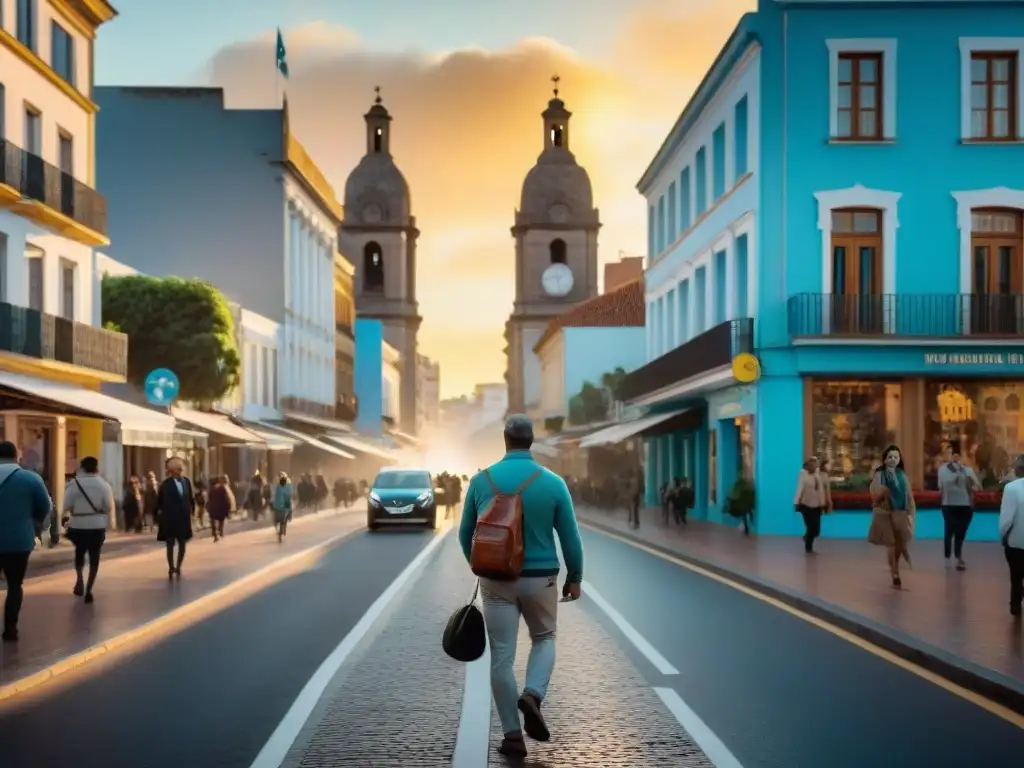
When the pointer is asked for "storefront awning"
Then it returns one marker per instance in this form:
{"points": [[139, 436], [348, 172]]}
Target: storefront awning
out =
{"points": [[619, 432], [402, 437], [359, 446], [216, 424], [308, 440], [544, 449], [274, 441], [92, 404]]}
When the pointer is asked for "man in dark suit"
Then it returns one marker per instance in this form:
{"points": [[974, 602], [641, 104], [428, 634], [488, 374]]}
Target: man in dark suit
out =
{"points": [[175, 506]]}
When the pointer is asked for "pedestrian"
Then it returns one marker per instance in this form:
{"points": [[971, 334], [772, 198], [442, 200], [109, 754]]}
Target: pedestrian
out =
{"points": [[810, 501], [150, 497], [175, 500], [1011, 533], [89, 500], [892, 518], [254, 497], [282, 505], [957, 484], [201, 500], [637, 494], [131, 504], [533, 593], [220, 505], [24, 506]]}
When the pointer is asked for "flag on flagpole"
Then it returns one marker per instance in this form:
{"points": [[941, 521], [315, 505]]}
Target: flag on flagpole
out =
{"points": [[282, 59]]}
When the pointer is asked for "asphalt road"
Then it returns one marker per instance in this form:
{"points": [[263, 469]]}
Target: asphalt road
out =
{"points": [[781, 692], [211, 695]]}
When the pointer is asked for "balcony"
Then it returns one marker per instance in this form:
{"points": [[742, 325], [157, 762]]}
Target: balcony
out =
{"points": [[704, 353], [42, 192], [910, 316], [63, 342]]}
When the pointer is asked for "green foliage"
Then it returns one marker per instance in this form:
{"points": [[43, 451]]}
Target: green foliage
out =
{"points": [[592, 402], [613, 382], [183, 325], [554, 424], [741, 498]]}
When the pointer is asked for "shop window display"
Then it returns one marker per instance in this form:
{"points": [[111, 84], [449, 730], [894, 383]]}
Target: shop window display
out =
{"points": [[984, 417], [851, 424]]}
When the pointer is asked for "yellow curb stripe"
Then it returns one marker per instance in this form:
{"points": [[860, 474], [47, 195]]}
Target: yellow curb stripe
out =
{"points": [[957, 690], [166, 621]]}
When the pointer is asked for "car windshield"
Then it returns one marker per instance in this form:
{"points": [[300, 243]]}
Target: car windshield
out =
{"points": [[402, 480]]}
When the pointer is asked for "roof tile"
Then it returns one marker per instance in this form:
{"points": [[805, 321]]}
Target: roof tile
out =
{"points": [[622, 308]]}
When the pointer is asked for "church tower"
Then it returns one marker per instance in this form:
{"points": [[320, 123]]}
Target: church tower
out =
{"points": [[380, 225], [556, 252]]}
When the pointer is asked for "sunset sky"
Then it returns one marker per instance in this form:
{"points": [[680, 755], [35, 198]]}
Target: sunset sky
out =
{"points": [[465, 82]]}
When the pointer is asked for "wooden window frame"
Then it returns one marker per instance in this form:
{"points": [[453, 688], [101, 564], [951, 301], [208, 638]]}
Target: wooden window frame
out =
{"points": [[996, 240], [853, 242], [854, 84], [990, 83]]}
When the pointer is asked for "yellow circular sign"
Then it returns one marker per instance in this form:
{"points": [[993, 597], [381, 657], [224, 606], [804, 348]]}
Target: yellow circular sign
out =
{"points": [[746, 368]]}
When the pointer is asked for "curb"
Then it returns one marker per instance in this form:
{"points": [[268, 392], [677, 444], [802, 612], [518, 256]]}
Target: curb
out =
{"points": [[973, 677], [164, 622]]}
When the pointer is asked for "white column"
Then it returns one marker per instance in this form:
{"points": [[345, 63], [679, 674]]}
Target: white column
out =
{"points": [[293, 262], [691, 305], [678, 319], [709, 294]]}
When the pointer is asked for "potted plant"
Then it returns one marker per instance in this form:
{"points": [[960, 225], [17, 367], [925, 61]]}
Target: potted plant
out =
{"points": [[740, 502]]}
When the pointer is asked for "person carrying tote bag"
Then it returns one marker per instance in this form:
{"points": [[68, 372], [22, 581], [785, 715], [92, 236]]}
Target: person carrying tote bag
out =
{"points": [[465, 637]]}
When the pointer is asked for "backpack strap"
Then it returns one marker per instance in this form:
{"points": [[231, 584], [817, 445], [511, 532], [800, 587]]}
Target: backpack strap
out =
{"points": [[494, 487], [528, 482]]}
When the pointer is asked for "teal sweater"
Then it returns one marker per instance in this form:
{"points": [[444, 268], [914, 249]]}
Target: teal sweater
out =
{"points": [[547, 510], [24, 504]]}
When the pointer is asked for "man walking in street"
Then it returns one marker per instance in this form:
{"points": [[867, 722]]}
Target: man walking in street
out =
{"points": [[546, 510], [1011, 533], [24, 505]]}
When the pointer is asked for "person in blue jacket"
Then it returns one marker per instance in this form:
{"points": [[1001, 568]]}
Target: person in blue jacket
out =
{"points": [[547, 511], [24, 507]]}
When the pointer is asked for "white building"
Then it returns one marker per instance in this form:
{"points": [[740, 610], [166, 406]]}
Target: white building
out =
{"points": [[391, 384], [428, 393]]}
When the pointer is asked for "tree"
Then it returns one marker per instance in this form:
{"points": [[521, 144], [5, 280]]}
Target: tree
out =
{"points": [[590, 405], [183, 325], [613, 382]]}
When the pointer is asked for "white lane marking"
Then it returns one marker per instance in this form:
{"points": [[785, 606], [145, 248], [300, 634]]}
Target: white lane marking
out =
{"points": [[639, 641], [473, 739], [281, 740], [710, 744]]}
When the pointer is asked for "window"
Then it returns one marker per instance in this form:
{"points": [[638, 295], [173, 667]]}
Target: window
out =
{"points": [[62, 55], [557, 251], [860, 97], [983, 417], [720, 288], [742, 275], [557, 135], [740, 118], [26, 20], [273, 378], [684, 200], [378, 140], [67, 289], [3, 266], [670, 321], [718, 162], [250, 361], [684, 311], [67, 153], [702, 182], [661, 224], [651, 243], [997, 270], [3, 112], [700, 286], [712, 464], [672, 230], [35, 282], [850, 424], [33, 131], [856, 271], [373, 268], [265, 370], [994, 95]]}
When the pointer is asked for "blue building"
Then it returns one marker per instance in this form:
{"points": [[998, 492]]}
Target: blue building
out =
{"points": [[843, 198]]}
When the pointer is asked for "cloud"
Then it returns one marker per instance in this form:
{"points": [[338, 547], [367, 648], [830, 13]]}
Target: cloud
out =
{"points": [[467, 128]]}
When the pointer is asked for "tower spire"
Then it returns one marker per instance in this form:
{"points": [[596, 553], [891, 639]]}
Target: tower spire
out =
{"points": [[556, 80], [377, 99]]}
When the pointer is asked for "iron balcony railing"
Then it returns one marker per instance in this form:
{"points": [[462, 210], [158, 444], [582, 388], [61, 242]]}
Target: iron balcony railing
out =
{"points": [[37, 335], [815, 315], [710, 350], [44, 182]]}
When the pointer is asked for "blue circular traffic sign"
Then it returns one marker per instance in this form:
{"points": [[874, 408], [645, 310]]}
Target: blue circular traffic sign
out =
{"points": [[161, 386]]}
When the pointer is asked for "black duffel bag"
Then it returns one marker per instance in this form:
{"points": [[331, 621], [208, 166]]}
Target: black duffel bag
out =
{"points": [[465, 637]]}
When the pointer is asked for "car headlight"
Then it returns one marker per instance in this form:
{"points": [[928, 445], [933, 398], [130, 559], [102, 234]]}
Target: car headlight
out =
{"points": [[425, 498], [374, 498]]}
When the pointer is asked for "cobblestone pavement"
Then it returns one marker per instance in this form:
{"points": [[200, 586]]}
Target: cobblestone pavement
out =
{"points": [[398, 699], [600, 709]]}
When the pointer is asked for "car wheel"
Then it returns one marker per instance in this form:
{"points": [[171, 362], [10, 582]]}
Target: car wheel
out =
{"points": [[432, 525], [372, 526]]}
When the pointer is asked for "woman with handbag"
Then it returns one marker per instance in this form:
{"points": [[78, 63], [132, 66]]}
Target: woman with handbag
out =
{"points": [[89, 500], [892, 518]]}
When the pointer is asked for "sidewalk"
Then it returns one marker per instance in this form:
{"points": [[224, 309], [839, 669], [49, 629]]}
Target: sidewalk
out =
{"points": [[118, 544], [133, 591], [954, 624]]}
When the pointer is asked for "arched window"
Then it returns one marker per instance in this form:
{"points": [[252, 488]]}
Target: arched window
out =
{"points": [[373, 267], [557, 251], [378, 140], [557, 135]]}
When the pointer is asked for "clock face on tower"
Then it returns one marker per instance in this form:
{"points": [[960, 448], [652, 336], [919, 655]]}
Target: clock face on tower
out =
{"points": [[372, 214], [557, 280]]}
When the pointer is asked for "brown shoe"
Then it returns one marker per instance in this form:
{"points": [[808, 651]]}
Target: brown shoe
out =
{"points": [[533, 720], [513, 745]]}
